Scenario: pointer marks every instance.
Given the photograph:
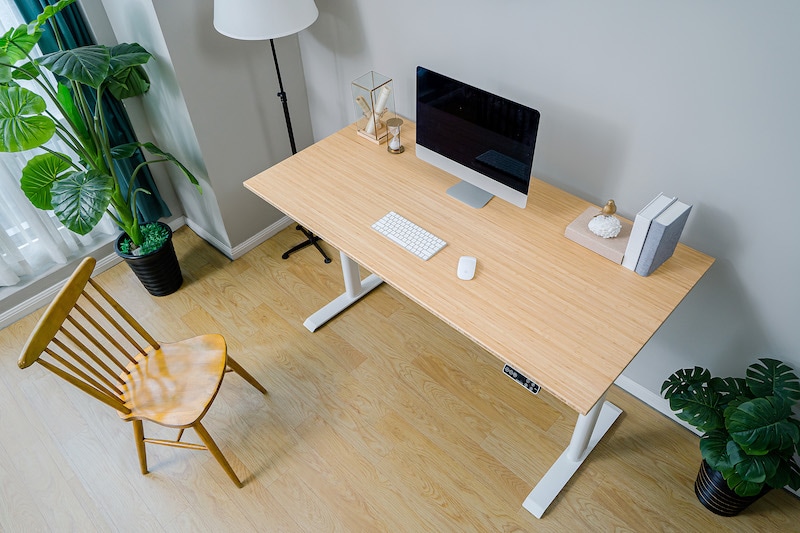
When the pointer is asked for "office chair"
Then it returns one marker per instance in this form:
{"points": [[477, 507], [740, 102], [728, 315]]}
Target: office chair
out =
{"points": [[91, 341]]}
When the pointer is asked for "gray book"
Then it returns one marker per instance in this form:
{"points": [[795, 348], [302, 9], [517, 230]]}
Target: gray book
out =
{"points": [[662, 238], [641, 225]]}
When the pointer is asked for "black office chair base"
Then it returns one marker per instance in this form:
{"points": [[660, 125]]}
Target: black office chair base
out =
{"points": [[311, 240]]}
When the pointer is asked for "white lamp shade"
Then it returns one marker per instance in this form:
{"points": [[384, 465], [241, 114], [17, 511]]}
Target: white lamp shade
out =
{"points": [[253, 20]]}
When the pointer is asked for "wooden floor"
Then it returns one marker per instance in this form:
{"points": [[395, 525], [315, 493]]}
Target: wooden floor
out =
{"points": [[383, 420]]}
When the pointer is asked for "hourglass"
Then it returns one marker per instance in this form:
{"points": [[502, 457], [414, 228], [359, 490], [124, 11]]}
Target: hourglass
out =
{"points": [[394, 146]]}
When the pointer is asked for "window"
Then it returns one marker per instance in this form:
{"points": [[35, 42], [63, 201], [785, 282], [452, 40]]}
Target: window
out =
{"points": [[32, 241]]}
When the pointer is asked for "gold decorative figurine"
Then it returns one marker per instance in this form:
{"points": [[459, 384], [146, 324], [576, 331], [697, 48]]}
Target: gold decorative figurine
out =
{"points": [[605, 224]]}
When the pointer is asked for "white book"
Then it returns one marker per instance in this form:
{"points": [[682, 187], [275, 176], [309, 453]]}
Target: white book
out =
{"points": [[641, 225]]}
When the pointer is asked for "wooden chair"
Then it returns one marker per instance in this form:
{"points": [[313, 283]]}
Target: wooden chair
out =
{"points": [[90, 340]]}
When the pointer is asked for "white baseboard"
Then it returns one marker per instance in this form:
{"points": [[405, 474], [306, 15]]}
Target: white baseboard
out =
{"points": [[238, 251], [650, 398], [261, 236], [44, 297]]}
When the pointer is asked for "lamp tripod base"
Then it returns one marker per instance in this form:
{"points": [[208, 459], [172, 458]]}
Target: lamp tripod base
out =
{"points": [[311, 240]]}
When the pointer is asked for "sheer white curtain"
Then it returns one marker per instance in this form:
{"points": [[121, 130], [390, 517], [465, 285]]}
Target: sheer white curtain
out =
{"points": [[31, 240]]}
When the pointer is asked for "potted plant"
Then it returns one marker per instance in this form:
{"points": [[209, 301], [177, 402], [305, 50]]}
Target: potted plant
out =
{"points": [[82, 186], [749, 433]]}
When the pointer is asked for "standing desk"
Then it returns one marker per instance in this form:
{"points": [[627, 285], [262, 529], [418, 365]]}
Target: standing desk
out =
{"points": [[561, 314]]}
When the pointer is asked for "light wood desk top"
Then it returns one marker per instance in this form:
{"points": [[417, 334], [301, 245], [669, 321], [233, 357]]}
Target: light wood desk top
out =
{"points": [[566, 317]]}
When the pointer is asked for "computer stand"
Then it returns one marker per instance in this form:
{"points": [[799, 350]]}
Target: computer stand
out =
{"points": [[311, 239]]}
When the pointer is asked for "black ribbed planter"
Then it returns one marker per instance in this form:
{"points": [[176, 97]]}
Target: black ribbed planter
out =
{"points": [[713, 492], [158, 271]]}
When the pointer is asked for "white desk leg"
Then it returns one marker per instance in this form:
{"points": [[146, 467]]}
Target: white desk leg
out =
{"points": [[589, 429], [354, 290]]}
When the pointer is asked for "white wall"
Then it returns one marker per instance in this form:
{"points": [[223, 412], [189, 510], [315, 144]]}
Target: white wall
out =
{"points": [[696, 99]]}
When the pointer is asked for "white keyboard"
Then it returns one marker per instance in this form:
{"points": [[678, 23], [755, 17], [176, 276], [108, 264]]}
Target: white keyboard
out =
{"points": [[413, 238]]}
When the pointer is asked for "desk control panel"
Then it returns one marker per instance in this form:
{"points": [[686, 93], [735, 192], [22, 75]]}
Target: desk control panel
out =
{"points": [[520, 378]]}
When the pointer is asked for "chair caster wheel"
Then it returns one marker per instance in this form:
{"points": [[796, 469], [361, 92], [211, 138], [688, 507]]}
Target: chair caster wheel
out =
{"points": [[327, 260], [285, 256]]}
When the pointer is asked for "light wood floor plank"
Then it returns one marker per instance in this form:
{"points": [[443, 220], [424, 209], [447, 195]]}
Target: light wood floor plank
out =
{"points": [[385, 419]]}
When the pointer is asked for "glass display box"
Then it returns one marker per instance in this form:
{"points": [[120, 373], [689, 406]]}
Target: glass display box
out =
{"points": [[373, 100]]}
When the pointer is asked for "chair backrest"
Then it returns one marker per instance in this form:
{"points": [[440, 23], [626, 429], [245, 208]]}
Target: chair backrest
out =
{"points": [[88, 339]]}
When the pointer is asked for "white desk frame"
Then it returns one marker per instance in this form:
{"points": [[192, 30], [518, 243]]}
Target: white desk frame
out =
{"points": [[589, 428], [354, 290], [326, 207]]}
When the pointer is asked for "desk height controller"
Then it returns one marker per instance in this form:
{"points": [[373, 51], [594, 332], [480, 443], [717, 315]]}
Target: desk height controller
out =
{"points": [[520, 378]]}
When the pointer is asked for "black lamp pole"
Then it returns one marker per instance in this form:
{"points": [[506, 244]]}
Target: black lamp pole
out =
{"points": [[311, 239]]}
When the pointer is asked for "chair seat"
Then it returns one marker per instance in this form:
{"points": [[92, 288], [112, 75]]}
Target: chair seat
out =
{"points": [[174, 385]]}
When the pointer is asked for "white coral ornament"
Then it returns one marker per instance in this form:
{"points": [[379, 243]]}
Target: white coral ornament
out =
{"points": [[605, 226]]}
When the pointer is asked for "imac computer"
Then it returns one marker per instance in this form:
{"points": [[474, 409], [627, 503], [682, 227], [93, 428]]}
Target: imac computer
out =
{"points": [[483, 139]]}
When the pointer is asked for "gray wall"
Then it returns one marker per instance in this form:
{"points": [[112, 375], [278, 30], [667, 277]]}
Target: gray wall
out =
{"points": [[213, 104], [696, 99]]}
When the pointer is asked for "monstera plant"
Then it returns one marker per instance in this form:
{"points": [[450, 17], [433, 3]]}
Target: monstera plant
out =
{"points": [[81, 186], [750, 433]]}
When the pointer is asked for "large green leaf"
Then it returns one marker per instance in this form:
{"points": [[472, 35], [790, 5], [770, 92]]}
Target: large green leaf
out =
{"points": [[700, 408], [123, 151], [758, 468], [81, 199], [25, 71], [38, 177], [127, 77], [48, 12], [742, 486], [684, 379], [153, 149], [746, 474], [788, 474], [714, 449], [132, 81], [762, 424], [6, 72], [731, 388], [17, 43], [693, 399], [73, 114], [126, 55], [770, 377], [22, 126], [87, 64]]}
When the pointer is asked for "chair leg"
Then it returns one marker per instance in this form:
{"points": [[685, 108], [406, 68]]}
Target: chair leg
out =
{"points": [[215, 451], [236, 367], [138, 435]]}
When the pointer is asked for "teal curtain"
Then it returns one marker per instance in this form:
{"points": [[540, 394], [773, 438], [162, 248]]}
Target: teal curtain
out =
{"points": [[74, 33]]}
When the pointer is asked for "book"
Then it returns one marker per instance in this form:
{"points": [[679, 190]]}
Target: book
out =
{"points": [[612, 249], [641, 225], [665, 231]]}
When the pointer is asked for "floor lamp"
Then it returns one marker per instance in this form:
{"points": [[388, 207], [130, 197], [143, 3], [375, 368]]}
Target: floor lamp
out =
{"points": [[257, 20]]}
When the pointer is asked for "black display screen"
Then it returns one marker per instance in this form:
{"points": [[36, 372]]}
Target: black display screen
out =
{"points": [[477, 129]]}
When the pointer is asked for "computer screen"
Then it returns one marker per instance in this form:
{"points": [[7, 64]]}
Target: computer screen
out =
{"points": [[485, 140]]}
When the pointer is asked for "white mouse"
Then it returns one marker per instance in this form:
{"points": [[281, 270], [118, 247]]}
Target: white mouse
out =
{"points": [[466, 267]]}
